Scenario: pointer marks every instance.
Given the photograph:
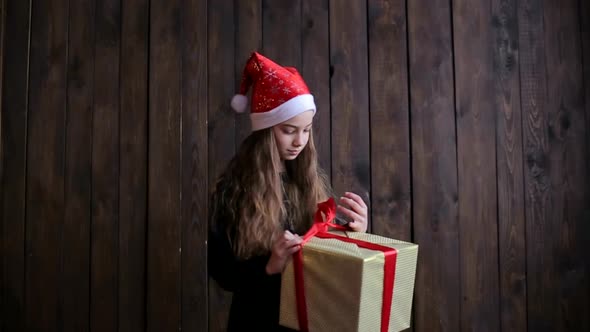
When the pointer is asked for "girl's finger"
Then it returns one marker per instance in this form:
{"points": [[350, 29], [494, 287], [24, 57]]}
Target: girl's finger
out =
{"points": [[349, 213], [356, 198], [293, 250], [352, 204], [288, 235], [358, 226], [293, 242]]}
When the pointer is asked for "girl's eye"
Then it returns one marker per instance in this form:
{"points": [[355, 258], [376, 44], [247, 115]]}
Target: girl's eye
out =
{"points": [[289, 132], [307, 130]]}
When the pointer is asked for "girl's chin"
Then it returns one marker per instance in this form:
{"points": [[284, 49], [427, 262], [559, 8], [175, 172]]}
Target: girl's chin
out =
{"points": [[289, 156]]}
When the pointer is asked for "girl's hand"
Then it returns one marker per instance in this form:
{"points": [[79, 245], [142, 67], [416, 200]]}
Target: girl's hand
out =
{"points": [[285, 246], [354, 208]]}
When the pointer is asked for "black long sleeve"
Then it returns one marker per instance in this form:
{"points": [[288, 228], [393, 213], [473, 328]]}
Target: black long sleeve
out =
{"points": [[256, 295], [231, 273]]}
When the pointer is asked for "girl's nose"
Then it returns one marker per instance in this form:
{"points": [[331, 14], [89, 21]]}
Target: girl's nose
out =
{"points": [[298, 140]]}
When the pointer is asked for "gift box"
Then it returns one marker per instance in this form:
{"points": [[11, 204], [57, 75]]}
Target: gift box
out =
{"points": [[348, 281]]}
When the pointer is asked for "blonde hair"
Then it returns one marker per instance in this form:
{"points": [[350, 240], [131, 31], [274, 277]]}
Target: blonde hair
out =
{"points": [[254, 194]]}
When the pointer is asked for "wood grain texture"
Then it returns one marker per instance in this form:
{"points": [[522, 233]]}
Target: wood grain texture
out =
{"points": [[552, 104], [248, 38], [350, 99], [45, 166], [75, 272], [2, 29], [434, 167], [221, 57], [511, 219], [281, 21], [194, 178], [2, 20], [584, 233], [104, 269], [390, 126], [133, 145], [221, 123], [14, 115], [164, 295], [567, 160], [476, 165], [315, 69], [540, 260]]}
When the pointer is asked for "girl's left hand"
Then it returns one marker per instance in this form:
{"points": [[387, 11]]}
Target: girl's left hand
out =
{"points": [[353, 206]]}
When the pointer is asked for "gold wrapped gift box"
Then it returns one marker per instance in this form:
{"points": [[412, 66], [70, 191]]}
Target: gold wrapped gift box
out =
{"points": [[344, 285]]}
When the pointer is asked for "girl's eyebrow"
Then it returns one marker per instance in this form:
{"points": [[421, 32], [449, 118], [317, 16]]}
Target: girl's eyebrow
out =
{"points": [[292, 126]]}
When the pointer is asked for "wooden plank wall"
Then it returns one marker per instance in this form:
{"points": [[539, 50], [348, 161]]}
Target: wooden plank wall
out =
{"points": [[465, 125], [434, 166]]}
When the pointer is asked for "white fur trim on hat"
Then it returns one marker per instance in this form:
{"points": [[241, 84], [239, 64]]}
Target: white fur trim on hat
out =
{"points": [[283, 112]]}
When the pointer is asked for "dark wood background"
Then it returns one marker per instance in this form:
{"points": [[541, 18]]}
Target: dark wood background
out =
{"points": [[465, 124]]}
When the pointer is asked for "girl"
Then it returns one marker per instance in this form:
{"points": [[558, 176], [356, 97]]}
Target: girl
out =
{"points": [[268, 194]]}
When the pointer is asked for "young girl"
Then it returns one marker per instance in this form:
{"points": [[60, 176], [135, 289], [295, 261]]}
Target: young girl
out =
{"points": [[268, 194]]}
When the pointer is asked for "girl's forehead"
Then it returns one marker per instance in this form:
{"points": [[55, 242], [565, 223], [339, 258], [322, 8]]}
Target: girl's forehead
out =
{"points": [[301, 120]]}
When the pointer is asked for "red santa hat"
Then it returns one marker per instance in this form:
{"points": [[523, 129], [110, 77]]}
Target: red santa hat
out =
{"points": [[278, 93]]}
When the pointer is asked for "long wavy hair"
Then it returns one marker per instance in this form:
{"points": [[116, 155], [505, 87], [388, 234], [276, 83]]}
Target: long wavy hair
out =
{"points": [[254, 194]]}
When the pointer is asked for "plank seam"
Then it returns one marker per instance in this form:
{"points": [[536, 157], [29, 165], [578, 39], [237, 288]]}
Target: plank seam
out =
{"points": [[457, 216], [26, 144]]}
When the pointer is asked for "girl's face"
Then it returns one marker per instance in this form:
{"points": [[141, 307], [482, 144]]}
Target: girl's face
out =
{"points": [[292, 135]]}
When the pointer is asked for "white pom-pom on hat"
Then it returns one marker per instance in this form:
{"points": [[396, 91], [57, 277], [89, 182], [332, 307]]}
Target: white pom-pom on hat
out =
{"points": [[239, 103]]}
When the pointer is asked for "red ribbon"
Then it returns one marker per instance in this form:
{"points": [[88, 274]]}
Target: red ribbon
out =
{"points": [[320, 229]]}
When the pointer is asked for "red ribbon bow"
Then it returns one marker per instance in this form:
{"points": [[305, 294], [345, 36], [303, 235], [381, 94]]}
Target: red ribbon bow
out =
{"points": [[320, 229]]}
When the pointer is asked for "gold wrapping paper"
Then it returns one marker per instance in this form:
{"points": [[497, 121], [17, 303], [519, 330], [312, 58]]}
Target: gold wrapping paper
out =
{"points": [[344, 285]]}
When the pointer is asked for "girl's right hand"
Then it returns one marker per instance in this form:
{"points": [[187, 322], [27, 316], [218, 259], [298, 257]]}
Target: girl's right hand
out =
{"points": [[285, 246]]}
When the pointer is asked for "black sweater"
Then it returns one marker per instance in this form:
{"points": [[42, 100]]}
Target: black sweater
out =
{"points": [[256, 295]]}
